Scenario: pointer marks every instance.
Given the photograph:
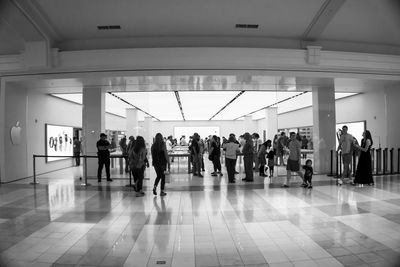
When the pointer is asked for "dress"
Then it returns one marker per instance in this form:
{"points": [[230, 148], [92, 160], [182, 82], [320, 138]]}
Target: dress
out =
{"points": [[364, 167]]}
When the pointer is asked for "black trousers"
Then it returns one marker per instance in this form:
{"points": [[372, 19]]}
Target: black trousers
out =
{"points": [[103, 160], [160, 176], [217, 163], [230, 168], [77, 158], [138, 176], [248, 167]]}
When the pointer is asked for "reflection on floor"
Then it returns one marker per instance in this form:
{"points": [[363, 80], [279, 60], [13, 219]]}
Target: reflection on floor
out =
{"points": [[201, 222]]}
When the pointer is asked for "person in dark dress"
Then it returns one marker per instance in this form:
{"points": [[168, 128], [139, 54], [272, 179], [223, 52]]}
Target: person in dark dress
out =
{"points": [[364, 167]]}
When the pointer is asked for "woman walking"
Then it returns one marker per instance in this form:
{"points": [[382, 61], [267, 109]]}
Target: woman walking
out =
{"points": [[364, 167], [159, 155], [138, 162]]}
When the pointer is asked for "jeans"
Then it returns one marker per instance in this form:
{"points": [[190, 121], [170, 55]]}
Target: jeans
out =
{"points": [[230, 168], [248, 167], [160, 176], [138, 176], [103, 160]]}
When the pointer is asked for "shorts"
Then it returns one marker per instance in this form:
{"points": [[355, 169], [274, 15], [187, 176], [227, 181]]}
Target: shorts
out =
{"points": [[293, 165]]}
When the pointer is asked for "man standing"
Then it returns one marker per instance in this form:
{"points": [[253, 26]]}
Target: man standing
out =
{"points": [[103, 155], [77, 151], [293, 162], [345, 144], [195, 151]]}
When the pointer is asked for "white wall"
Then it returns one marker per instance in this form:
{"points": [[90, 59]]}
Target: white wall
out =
{"points": [[166, 128], [393, 110], [369, 106], [33, 110]]}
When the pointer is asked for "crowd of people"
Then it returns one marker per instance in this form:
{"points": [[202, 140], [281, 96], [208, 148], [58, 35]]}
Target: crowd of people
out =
{"points": [[258, 157]]}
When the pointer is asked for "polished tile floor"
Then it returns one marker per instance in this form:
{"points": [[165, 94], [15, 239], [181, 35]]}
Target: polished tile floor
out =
{"points": [[201, 222]]}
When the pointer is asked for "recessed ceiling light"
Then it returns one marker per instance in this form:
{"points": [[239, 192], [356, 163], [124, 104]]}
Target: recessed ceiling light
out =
{"points": [[247, 26]]}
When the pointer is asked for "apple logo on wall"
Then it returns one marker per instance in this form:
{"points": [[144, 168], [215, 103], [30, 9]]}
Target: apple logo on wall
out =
{"points": [[16, 134]]}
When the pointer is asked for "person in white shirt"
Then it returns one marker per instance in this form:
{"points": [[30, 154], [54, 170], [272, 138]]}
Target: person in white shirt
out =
{"points": [[346, 145], [231, 150]]}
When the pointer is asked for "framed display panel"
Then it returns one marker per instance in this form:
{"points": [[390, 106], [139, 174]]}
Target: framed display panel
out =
{"points": [[203, 131], [59, 141]]}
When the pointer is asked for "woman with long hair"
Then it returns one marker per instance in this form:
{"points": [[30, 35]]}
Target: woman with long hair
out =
{"points": [[364, 167], [159, 155], [138, 162]]}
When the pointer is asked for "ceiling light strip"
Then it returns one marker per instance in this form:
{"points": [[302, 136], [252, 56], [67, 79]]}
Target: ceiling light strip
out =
{"points": [[230, 102], [123, 100], [178, 99], [286, 99]]}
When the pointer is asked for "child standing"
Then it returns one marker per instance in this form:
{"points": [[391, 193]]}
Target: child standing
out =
{"points": [[308, 174]]}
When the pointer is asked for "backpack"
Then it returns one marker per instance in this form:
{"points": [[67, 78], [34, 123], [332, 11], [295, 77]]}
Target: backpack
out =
{"points": [[136, 160]]}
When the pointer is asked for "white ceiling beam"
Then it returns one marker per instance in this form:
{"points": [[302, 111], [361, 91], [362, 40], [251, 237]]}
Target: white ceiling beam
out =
{"points": [[324, 15]]}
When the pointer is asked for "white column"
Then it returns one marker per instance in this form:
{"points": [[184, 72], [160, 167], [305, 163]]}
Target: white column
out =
{"points": [[248, 124], [324, 120], [148, 131], [132, 126], [271, 125], [93, 123], [2, 128]]}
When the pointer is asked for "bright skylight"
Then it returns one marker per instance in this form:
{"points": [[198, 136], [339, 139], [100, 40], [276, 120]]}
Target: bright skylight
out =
{"points": [[202, 105]]}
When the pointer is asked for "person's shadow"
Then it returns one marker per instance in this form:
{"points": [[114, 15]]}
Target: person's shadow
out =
{"points": [[163, 219]]}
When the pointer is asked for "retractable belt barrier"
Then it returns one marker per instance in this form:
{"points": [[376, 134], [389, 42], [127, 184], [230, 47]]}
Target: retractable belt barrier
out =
{"points": [[382, 161], [85, 157]]}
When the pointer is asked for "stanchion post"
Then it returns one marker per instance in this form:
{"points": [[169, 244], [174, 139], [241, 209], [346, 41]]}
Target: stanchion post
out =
{"points": [[372, 159], [391, 161], [385, 160], [331, 173], [34, 171], [337, 164], [85, 171], [398, 160], [354, 164], [340, 164]]}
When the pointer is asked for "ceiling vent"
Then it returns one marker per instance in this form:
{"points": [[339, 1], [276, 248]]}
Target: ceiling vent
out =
{"points": [[247, 26], [109, 27]]}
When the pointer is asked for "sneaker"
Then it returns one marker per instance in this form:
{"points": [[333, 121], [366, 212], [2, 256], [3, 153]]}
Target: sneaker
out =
{"points": [[303, 185], [109, 180], [155, 191], [163, 193], [201, 176], [339, 182], [285, 186], [214, 174], [221, 174], [309, 187], [139, 194], [236, 172]]}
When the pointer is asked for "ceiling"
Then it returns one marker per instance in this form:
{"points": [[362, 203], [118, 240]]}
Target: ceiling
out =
{"points": [[202, 105], [370, 26], [337, 25]]}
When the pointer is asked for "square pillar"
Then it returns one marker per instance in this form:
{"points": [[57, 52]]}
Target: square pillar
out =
{"points": [[324, 122], [93, 123], [132, 125], [271, 125]]}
